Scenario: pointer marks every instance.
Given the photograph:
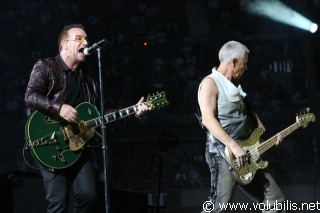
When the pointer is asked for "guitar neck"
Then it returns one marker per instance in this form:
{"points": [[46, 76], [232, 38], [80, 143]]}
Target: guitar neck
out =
{"points": [[273, 140], [108, 118]]}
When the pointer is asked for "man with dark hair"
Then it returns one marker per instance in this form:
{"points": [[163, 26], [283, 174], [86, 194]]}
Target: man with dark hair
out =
{"points": [[56, 86]]}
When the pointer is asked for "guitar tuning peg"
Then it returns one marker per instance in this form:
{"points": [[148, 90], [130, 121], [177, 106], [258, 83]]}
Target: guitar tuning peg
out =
{"points": [[298, 112]]}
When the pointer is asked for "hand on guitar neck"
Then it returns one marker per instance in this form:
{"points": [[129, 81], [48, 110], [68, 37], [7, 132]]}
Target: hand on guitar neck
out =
{"points": [[142, 108], [279, 139]]}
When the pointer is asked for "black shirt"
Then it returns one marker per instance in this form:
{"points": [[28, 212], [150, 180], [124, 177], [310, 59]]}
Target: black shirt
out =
{"points": [[76, 93]]}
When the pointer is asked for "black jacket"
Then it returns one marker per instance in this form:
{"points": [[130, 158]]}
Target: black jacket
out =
{"points": [[47, 89]]}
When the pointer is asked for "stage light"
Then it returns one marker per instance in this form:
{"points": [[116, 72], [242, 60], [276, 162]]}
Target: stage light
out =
{"points": [[278, 11], [313, 28]]}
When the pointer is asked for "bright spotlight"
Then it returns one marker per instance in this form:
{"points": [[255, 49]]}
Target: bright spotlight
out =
{"points": [[278, 11], [313, 28]]}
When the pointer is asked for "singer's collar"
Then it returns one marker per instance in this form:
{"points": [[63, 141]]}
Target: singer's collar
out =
{"points": [[61, 64]]}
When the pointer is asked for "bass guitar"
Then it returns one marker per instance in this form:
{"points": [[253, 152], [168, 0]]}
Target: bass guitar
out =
{"points": [[255, 149], [58, 144]]}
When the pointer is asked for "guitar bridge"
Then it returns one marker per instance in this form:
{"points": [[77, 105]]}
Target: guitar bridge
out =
{"points": [[247, 177], [77, 141]]}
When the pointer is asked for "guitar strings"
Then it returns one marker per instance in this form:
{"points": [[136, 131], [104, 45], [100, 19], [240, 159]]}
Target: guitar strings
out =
{"points": [[255, 153], [267, 144], [294, 127]]}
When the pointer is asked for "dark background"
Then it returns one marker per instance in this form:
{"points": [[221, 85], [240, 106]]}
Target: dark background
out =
{"points": [[182, 38]]}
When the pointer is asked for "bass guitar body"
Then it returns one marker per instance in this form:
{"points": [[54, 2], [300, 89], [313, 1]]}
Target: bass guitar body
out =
{"points": [[245, 174]]}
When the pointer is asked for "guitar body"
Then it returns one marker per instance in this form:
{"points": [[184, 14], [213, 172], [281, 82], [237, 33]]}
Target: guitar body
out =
{"points": [[48, 141], [246, 173]]}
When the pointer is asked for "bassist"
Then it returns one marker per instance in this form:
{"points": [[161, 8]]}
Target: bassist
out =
{"points": [[222, 106]]}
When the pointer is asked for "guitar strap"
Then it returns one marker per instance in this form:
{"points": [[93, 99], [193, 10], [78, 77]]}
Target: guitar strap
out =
{"points": [[221, 152], [215, 143]]}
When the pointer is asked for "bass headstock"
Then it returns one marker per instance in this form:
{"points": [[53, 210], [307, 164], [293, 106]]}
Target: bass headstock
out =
{"points": [[304, 117]]}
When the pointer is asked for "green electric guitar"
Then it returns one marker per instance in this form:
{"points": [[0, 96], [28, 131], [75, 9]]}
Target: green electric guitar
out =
{"points": [[58, 144]]}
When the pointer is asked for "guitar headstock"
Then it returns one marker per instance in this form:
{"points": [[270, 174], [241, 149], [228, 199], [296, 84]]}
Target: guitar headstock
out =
{"points": [[304, 117], [157, 101]]}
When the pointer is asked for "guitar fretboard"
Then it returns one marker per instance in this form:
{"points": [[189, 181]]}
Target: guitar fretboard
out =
{"points": [[108, 118], [273, 140]]}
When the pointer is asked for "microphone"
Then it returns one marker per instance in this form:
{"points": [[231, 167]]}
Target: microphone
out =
{"points": [[88, 50]]}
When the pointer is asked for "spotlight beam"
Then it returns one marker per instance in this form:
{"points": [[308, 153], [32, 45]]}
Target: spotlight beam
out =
{"points": [[278, 11]]}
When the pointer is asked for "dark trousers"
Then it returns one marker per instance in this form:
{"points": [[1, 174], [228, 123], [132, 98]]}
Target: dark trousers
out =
{"points": [[80, 177]]}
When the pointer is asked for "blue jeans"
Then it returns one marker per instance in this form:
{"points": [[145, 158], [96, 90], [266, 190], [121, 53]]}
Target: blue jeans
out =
{"points": [[81, 177], [262, 189]]}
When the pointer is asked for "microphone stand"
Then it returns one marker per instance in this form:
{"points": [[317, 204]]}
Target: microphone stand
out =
{"points": [[159, 182], [103, 134]]}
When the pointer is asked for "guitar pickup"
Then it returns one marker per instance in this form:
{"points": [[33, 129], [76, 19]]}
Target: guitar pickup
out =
{"points": [[66, 132]]}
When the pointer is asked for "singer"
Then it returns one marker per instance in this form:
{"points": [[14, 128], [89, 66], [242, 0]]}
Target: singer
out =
{"points": [[56, 86]]}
